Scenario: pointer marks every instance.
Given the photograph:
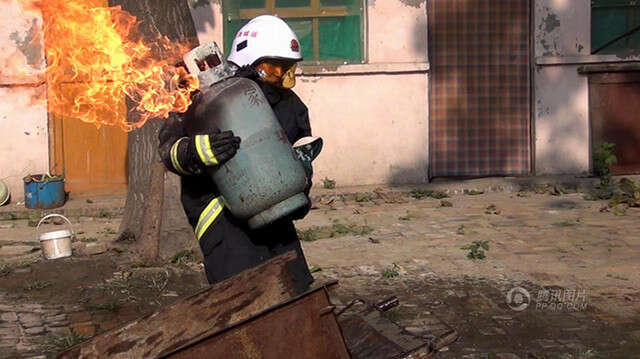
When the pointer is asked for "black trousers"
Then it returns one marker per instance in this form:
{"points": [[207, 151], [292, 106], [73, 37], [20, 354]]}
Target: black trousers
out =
{"points": [[229, 247]]}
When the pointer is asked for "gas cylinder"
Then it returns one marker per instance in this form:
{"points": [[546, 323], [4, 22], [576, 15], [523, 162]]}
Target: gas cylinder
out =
{"points": [[264, 181]]}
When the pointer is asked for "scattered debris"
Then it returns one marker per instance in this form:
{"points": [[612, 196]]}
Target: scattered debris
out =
{"points": [[36, 284], [182, 257], [54, 344], [492, 209], [461, 230]]}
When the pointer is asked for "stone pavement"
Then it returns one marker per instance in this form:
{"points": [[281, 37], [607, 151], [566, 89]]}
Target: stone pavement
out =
{"points": [[570, 267]]}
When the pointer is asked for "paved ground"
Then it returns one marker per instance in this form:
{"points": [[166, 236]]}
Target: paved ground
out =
{"points": [[569, 266]]}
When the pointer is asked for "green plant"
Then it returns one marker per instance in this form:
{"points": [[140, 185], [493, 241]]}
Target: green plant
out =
{"points": [[474, 192], [104, 213], [315, 269], [603, 157], [32, 285], [407, 217], [109, 230], [417, 193], [391, 272], [308, 235], [58, 343], [444, 203], [88, 239], [362, 197], [476, 249], [461, 230], [182, 257], [328, 183]]}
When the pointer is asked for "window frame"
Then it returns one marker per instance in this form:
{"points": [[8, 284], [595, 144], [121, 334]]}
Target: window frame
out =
{"points": [[636, 22], [314, 12]]}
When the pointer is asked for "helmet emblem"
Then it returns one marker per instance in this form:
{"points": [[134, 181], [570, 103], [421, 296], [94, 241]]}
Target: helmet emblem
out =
{"points": [[295, 46]]}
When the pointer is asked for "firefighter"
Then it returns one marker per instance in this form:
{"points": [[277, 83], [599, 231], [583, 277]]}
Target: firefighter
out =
{"points": [[265, 50]]}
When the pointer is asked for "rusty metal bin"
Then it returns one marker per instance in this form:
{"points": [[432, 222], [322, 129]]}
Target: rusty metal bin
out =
{"points": [[255, 314], [304, 327]]}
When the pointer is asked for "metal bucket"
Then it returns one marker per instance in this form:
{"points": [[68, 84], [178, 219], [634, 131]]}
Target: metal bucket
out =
{"points": [[4, 193], [56, 244], [43, 191]]}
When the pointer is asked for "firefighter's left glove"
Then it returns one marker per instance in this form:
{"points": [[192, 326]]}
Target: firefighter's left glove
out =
{"points": [[214, 149]]}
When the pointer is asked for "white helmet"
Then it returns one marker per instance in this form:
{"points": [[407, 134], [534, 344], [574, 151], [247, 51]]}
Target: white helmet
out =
{"points": [[263, 37]]}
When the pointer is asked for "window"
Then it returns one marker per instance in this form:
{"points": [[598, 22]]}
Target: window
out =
{"points": [[615, 26], [329, 30]]}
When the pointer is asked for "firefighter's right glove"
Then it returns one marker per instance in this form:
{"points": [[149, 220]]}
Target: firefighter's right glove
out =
{"points": [[214, 149]]}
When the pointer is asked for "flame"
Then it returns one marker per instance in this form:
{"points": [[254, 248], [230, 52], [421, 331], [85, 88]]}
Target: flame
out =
{"points": [[96, 56]]}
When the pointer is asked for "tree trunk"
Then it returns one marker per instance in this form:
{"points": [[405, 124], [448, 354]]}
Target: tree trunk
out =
{"points": [[153, 215]]}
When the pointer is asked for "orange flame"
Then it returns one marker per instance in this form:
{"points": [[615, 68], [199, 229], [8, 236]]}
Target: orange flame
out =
{"points": [[96, 56]]}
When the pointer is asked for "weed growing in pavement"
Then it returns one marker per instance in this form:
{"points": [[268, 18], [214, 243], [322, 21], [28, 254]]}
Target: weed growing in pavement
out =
{"points": [[5, 269], [141, 264], [104, 213], [182, 257], [445, 203], [9, 216], [335, 230], [362, 197], [476, 249], [308, 235], [603, 157], [32, 285], [407, 217], [391, 272], [328, 183], [419, 193], [566, 223], [58, 343], [109, 230], [587, 354]]}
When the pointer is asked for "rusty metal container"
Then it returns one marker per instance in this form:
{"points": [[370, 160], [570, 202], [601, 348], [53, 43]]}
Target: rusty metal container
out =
{"points": [[255, 314], [304, 327]]}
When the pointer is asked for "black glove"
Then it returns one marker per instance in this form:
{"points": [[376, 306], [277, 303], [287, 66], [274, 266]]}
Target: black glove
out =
{"points": [[214, 149], [248, 72]]}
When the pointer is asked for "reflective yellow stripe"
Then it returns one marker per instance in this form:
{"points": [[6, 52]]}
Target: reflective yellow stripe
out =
{"points": [[203, 146], [174, 158], [207, 216]]}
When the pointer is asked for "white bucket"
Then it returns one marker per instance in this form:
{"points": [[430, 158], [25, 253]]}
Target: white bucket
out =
{"points": [[56, 244]]}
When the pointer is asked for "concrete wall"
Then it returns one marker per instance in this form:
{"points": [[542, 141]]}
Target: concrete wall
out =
{"points": [[23, 113], [562, 44], [372, 116]]}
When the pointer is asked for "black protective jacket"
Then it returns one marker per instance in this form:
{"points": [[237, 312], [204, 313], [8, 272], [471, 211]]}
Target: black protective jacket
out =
{"points": [[227, 243]]}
